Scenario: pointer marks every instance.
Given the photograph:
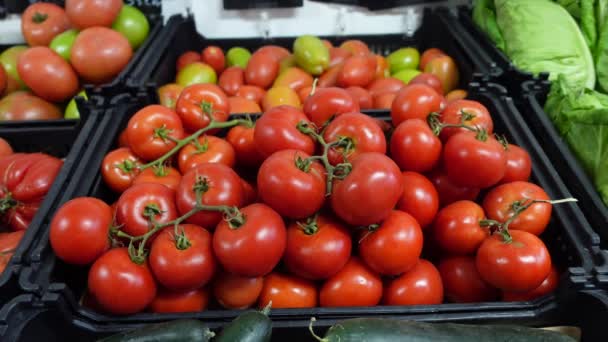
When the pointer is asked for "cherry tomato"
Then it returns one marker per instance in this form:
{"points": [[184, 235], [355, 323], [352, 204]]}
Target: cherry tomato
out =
{"points": [[419, 198], [119, 168], [166, 175], [207, 149], [362, 96], [326, 103], [254, 247], [362, 132], [5, 148], [354, 285], [519, 165], [186, 59], [518, 265], [183, 301], [284, 291], [277, 130], [317, 248], [456, 94], [547, 286], [429, 80], [414, 147], [119, 285], [499, 203], [355, 47], [293, 78], [421, 285], [79, 230], [236, 292], [385, 85], [369, 192], [88, 13], [415, 101], [239, 105], [286, 173], [462, 283], [278, 96], [329, 78], [41, 22], [357, 71], [382, 68], [428, 55], [198, 102], [453, 114], [168, 94], [151, 131], [337, 56], [457, 229], [232, 79], [384, 100], [242, 140], [220, 186], [262, 69], [214, 57], [252, 93]]}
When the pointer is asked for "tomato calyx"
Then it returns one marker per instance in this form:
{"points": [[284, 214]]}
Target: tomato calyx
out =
{"points": [[369, 230], [160, 171], [7, 202], [310, 226], [39, 18], [127, 166], [437, 126], [163, 133], [201, 148]]}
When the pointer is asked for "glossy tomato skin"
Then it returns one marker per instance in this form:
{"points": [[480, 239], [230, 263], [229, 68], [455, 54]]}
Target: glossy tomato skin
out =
{"points": [[519, 266], [293, 78], [120, 168], [180, 269], [242, 140], [293, 192], [277, 130], [382, 68], [385, 85], [142, 127], [363, 132], [169, 177], [223, 188], [471, 162], [462, 283], [254, 248], [414, 147], [168, 94], [456, 94], [446, 70], [281, 95], [79, 230], [88, 13], [394, 247], [370, 172], [236, 292], [547, 286], [252, 93], [354, 285], [319, 250], [133, 202], [231, 80], [328, 102], [362, 96], [452, 114], [430, 80], [214, 56], [275, 51], [519, 165], [421, 285], [187, 58], [41, 22], [262, 69], [419, 199], [330, 77], [428, 55], [5, 148], [415, 101], [384, 100], [337, 56], [499, 201], [192, 102], [240, 105], [182, 301], [357, 71], [457, 229], [355, 47], [210, 149], [115, 270], [448, 191], [47, 74], [285, 291]]}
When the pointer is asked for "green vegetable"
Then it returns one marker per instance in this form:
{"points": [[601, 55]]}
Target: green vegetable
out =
{"points": [[484, 15], [402, 59], [601, 56], [62, 43], [174, 331], [133, 24], [587, 23], [251, 326], [311, 54], [71, 110], [390, 330], [238, 56], [406, 75]]}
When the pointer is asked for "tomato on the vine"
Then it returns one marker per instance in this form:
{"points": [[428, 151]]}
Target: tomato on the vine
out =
{"points": [[414, 147], [119, 169], [457, 228], [326, 103], [181, 301], [198, 103], [236, 292], [284, 291], [519, 165], [462, 283], [277, 130], [165, 175], [206, 149], [359, 132], [354, 285], [421, 285], [547, 286], [419, 199], [448, 191], [467, 112], [415, 101], [152, 130]]}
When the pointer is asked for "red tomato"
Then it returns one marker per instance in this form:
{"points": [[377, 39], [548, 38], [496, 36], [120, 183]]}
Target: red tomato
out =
{"points": [[446, 70], [79, 230], [318, 248], [232, 79], [457, 230], [252, 93], [214, 57], [362, 132], [326, 103], [414, 146], [167, 176], [47, 74], [177, 302], [499, 202], [284, 291], [119, 168], [452, 114], [293, 78], [304, 93], [262, 69], [254, 248], [330, 77], [369, 192], [41, 22], [357, 71], [198, 102], [421, 285], [428, 55], [277, 130], [382, 68], [362, 96], [354, 285], [519, 165], [219, 185], [143, 202], [415, 101], [448, 191], [462, 283], [239, 105], [516, 266], [236, 292], [88, 13], [168, 94], [385, 85], [123, 139], [275, 51], [456, 94], [152, 130], [9, 242], [547, 286], [394, 246], [384, 100], [278, 96], [429, 80], [250, 194], [284, 174], [99, 54], [242, 140], [419, 198], [185, 261], [472, 162], [5, 148], [119, 285], [355, 47], [327, 43], [207, 149], [186, 59], [337, 56], [3, 80]]}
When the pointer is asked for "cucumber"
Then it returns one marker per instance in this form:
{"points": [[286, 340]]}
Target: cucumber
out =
{"points": [[174, 331], [251, 326], [388, 330]]}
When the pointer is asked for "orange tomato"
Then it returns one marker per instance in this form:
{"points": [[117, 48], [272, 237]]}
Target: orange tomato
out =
{"points": [[278, 96], [243, 105]]}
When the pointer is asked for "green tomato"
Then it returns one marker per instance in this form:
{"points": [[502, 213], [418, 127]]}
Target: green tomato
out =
{"points": [[196, 73], [71, 111], [404, 58], [238, 56], [8, 58], [311, 54], [406, 75], [62, 43], [132, 24]]}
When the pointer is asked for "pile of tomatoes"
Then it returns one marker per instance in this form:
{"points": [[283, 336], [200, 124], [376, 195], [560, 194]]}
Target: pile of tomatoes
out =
{"points": [[89, 41]]}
